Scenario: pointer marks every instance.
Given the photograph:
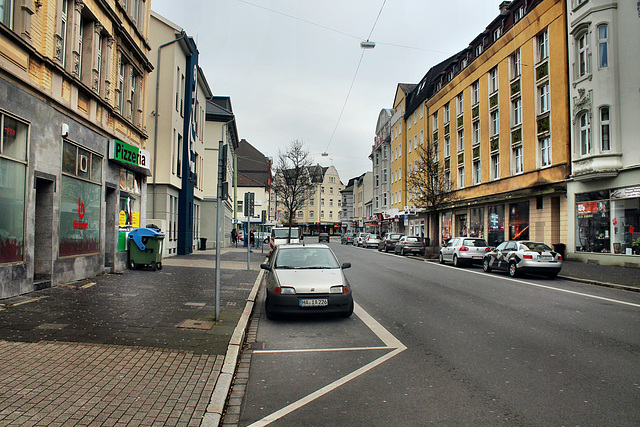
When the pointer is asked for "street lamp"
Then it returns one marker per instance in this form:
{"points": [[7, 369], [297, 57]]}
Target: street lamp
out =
{"points": [[367, 44]]}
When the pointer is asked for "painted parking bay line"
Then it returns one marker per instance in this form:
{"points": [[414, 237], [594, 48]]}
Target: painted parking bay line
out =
{"points": [[391, 343]]}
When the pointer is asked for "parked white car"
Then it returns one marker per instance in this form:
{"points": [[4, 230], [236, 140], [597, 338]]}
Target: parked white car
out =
{"points": [[464, 250], [372, 241]]}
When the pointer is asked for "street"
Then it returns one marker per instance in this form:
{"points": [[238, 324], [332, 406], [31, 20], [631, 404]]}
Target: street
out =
{"points": [[434, 344]]}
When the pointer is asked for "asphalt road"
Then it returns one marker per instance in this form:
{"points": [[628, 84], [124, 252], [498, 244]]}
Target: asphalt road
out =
{"points": [[433, 344]]}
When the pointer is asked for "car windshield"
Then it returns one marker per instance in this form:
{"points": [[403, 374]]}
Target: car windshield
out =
{"points": [[536, 246], [283, 233], [306, 257], [474, 242]]}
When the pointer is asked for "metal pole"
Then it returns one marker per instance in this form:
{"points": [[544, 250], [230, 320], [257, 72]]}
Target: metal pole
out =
{"points": [[219, 224]]}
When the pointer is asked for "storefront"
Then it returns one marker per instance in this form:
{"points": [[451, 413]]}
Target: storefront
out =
{"points": [[608, 221]]}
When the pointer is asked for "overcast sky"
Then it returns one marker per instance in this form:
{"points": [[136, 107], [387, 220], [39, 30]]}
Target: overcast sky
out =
{"points": [[288, 64]]}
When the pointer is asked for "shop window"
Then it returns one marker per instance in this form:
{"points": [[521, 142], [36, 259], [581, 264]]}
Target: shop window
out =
{"points": [[626, 225], [476, 223], [592, 223], [519, 221], [80, 201], [446, 226], [129, 209], [496, 225], [13, 167]]}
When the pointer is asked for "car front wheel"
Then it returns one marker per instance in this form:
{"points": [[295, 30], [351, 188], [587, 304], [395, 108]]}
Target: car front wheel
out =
{"points": [[485, 265], [269, 311]]}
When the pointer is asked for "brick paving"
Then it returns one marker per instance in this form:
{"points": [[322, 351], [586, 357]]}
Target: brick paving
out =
{"points": [[127, 349]]}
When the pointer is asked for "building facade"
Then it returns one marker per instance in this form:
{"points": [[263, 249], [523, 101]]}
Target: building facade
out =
{"points": [[73, 158], [254, 176], [348, 224], [176, 188], [604, 186], [221, 127], [362, 208], [380, 166]]}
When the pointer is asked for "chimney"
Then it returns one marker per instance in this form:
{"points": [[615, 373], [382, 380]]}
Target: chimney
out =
{"points": [[503, 7]]}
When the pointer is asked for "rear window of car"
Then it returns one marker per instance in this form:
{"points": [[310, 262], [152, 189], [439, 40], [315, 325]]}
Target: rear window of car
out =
{"points": [[474, 242], [395, 236], [283, 233], [306, 258], [413, 239], [536, 246]]}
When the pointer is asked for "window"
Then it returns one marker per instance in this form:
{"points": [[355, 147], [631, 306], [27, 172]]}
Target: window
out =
{"points": [[461, 140], [179, 151], [321, 190], [447, 146], [312, 202], [460, 103], [545, 152], [300, 214], [517, 160], [476, 172], [476, 132], [543, 97], [385, 175], [497, 33], [585, 133], [435, 121], [478, 50], [415, 142], [63, 31], [6, 13], [495, 123], [321, 214], [518, 14], [421, 111], [461, 177], [542, 41], [421, 136], [493, 80], [475, 91], [81, 36], [446, 113], [80, 211], [322, 202], [435, 151], [517, 111], [99, 61], [605, 140], [583, 54], [447, 180], [120, 95], [311, 215], [495, 166], [603, 42], [515, 64], [13, 169], [330, 202]]}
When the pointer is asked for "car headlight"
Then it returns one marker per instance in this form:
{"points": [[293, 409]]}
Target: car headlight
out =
{"points": [[339, 289]]}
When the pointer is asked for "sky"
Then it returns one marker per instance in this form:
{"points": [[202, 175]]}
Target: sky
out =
{"points": [[294, 69]]}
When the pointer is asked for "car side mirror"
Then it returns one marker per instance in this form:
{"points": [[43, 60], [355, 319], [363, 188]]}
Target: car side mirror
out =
{"points": [[346, 265], [265, 267]]}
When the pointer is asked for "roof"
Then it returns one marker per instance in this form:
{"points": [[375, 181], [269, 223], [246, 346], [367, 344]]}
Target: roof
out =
{"points": [[253, 167]]}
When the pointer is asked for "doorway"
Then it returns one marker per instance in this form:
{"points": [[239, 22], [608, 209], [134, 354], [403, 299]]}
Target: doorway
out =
{"points": [[43, 233]]}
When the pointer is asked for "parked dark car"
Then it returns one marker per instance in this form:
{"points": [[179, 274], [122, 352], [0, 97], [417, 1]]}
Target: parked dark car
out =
{"points": [[346, 238], [388, 242], [523, 257], [323, 237], [410, 245]]}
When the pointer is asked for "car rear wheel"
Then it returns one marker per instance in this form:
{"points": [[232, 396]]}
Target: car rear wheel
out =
{"points": [[513, 269], [456, 263], [485, 265]]}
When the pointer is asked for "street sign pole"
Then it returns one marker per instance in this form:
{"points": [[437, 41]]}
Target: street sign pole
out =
{"points": [[219, 223]]}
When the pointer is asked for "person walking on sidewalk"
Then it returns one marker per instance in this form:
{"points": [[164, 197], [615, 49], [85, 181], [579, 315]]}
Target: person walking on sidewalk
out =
{"points": [[234, 236]]}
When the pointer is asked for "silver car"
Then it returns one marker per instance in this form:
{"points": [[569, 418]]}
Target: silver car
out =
{"points": [[523, 257], [372, 241], [359, 238], [306, 279], [464, 251]]}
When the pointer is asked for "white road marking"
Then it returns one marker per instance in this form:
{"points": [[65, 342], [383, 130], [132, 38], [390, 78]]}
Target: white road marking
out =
{"points": [[318, 350], [548, 287], [385, 336]]}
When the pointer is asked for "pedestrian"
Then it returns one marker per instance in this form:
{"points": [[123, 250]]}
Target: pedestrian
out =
{"points": [[234, 235], [252, 238]]}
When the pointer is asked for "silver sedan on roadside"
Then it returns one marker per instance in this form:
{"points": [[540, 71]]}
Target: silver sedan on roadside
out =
{"points": [[464, 251], [372, 241], [523, 257]]}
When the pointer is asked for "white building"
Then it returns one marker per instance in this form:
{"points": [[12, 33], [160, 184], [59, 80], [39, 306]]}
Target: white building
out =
{"points": [[604, 187]]}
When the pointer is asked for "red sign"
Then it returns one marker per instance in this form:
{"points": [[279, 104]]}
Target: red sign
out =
{"points": [[80, 224], [587, 208]]}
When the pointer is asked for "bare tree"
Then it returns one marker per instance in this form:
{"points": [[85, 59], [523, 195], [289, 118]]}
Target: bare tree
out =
{"points": [[292, 182], [429, 183]]}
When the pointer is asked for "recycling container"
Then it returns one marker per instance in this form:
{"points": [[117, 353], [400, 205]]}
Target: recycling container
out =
{"points": [[145, 248]]}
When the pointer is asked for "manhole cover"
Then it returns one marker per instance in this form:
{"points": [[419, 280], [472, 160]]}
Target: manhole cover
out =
{"points": [[196, 324]]}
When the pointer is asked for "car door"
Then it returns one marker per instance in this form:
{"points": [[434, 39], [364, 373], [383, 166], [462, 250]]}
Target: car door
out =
{"points": [[447, 252], [506, 255], [498, 261]]}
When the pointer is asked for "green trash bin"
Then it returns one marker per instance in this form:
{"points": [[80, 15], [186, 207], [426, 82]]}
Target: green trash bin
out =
{"points": [[145, 248]]}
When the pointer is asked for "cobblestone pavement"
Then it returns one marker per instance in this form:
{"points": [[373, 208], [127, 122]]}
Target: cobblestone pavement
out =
{"points": [[132, 349]]}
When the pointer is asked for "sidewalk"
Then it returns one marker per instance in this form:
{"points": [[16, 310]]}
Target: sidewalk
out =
{"points": [[136, 348], [604, 275]]}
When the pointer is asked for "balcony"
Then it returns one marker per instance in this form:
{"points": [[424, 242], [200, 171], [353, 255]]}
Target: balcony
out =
{"points": [[599, 166]]}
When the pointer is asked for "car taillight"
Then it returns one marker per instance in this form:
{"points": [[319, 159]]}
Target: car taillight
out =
{"points": [[464, 248], [284, 291], [559, 257], [527, 256], [487, 249]]}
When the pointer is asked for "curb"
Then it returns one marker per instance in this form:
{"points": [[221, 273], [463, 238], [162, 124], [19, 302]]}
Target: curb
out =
{"points": [[603, 284], [213, 414]]}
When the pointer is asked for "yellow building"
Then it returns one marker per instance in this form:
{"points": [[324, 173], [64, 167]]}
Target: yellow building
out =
{"points": [[497, 116], [73, 84], [323, 211]]}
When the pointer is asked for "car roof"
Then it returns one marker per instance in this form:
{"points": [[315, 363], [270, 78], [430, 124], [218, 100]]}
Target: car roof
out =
{"points": [[300, 246]]}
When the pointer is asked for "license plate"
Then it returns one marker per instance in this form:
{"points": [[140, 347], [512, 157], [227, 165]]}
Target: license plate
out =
{"points": [[316, 302], [477, 257], [546, 258]]}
